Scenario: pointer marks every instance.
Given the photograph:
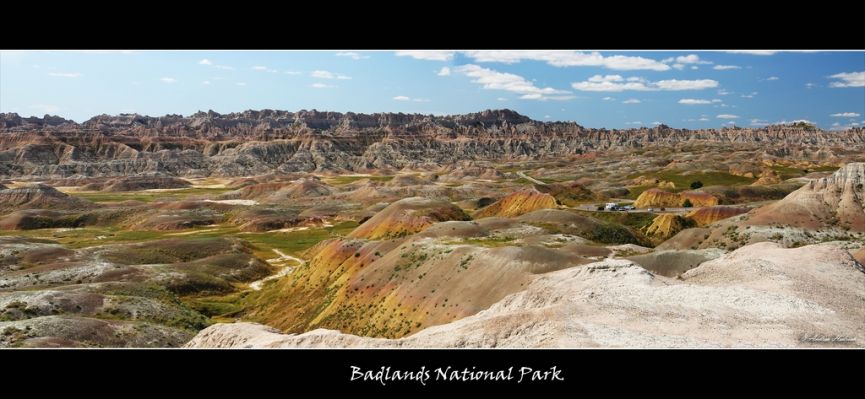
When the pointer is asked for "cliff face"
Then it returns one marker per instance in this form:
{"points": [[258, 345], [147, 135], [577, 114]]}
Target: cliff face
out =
{"points": [[836, 200], [258, 142]]}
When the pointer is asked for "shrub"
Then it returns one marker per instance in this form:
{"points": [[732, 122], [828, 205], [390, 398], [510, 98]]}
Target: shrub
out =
{"points": [[696, 184], [687, 204]]}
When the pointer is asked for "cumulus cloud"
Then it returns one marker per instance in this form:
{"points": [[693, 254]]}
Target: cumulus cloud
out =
{"points": [[694, 101], [848, 79], [407, 98], [264, 69], [608, 99], [845, 115], [631, 101], [558, 58], [759, 122], [753, 93], [493, 80], [772, 78], [562, 58], [205, 61], [168, 80], [686, 59], [402, 98], [445, 71], [352, 54], [430, 55], [328, 75], [725, 67], [727, 116], [616, 83]]}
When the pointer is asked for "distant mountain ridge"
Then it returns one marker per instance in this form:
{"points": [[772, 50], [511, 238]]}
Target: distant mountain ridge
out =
{"points": [[258, 142]]}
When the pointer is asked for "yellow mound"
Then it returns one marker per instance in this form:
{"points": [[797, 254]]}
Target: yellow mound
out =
{"points": [[667, 225], [659, 198], [407, 216], [518, 203], [712, 214]]}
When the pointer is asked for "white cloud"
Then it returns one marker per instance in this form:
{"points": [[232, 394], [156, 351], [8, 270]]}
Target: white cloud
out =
{"points": [[321, 86], [758, 122], [836, 124], [241, 83], [694, 67], [631, 101], [407, 98], [634, 123], [679, 66], [292, 72], [608, 98], [725, 67], [352, 54], [547, 117], [753, 93], [430, 55], [615, 83], [205, 61], [501, 99], [264, 69], [66, 74], [328, 75], [494, 80], [693, 101], [723, 92], [445, 71], [727, 116], [656, 123], [686, 59], [810, 85], [168, 80], [772, 78], [848, 79], [845, 115], [703, 119], [562, 58], [206, 82]]}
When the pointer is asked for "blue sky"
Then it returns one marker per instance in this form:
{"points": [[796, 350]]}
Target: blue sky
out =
{"points": [[612, 89]]}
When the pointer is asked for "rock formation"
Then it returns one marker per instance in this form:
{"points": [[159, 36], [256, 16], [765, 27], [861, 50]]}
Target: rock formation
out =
{"points": [[518, 203]]}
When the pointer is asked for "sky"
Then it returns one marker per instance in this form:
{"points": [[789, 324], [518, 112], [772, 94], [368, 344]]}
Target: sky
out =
{"points": [[600, 89]]}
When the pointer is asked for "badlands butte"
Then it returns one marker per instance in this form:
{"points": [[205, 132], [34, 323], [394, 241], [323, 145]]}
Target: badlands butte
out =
{"points": [[321, 229]]}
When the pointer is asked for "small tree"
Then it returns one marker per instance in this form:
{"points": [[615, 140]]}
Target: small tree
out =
{"points": [[687, 203], [696, 184]]}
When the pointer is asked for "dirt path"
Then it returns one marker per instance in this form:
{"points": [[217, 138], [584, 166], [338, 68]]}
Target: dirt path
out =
{"points": [[284, 271], [531, 179]]}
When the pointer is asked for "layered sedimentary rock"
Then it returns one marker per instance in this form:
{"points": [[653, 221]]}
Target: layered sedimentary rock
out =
{"points": [[708, 215], [836, 200], [659, 198], [260, 142], [518, 203]]}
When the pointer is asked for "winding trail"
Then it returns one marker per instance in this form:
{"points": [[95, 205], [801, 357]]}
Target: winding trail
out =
{"points": [[531, 179], [284, 271]]}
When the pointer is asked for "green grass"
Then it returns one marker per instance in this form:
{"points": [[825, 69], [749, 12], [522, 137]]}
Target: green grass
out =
{"points": [[634, 220], [340, 180], [635, 192], [147, 196], [683, 182], [787, 172]]}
